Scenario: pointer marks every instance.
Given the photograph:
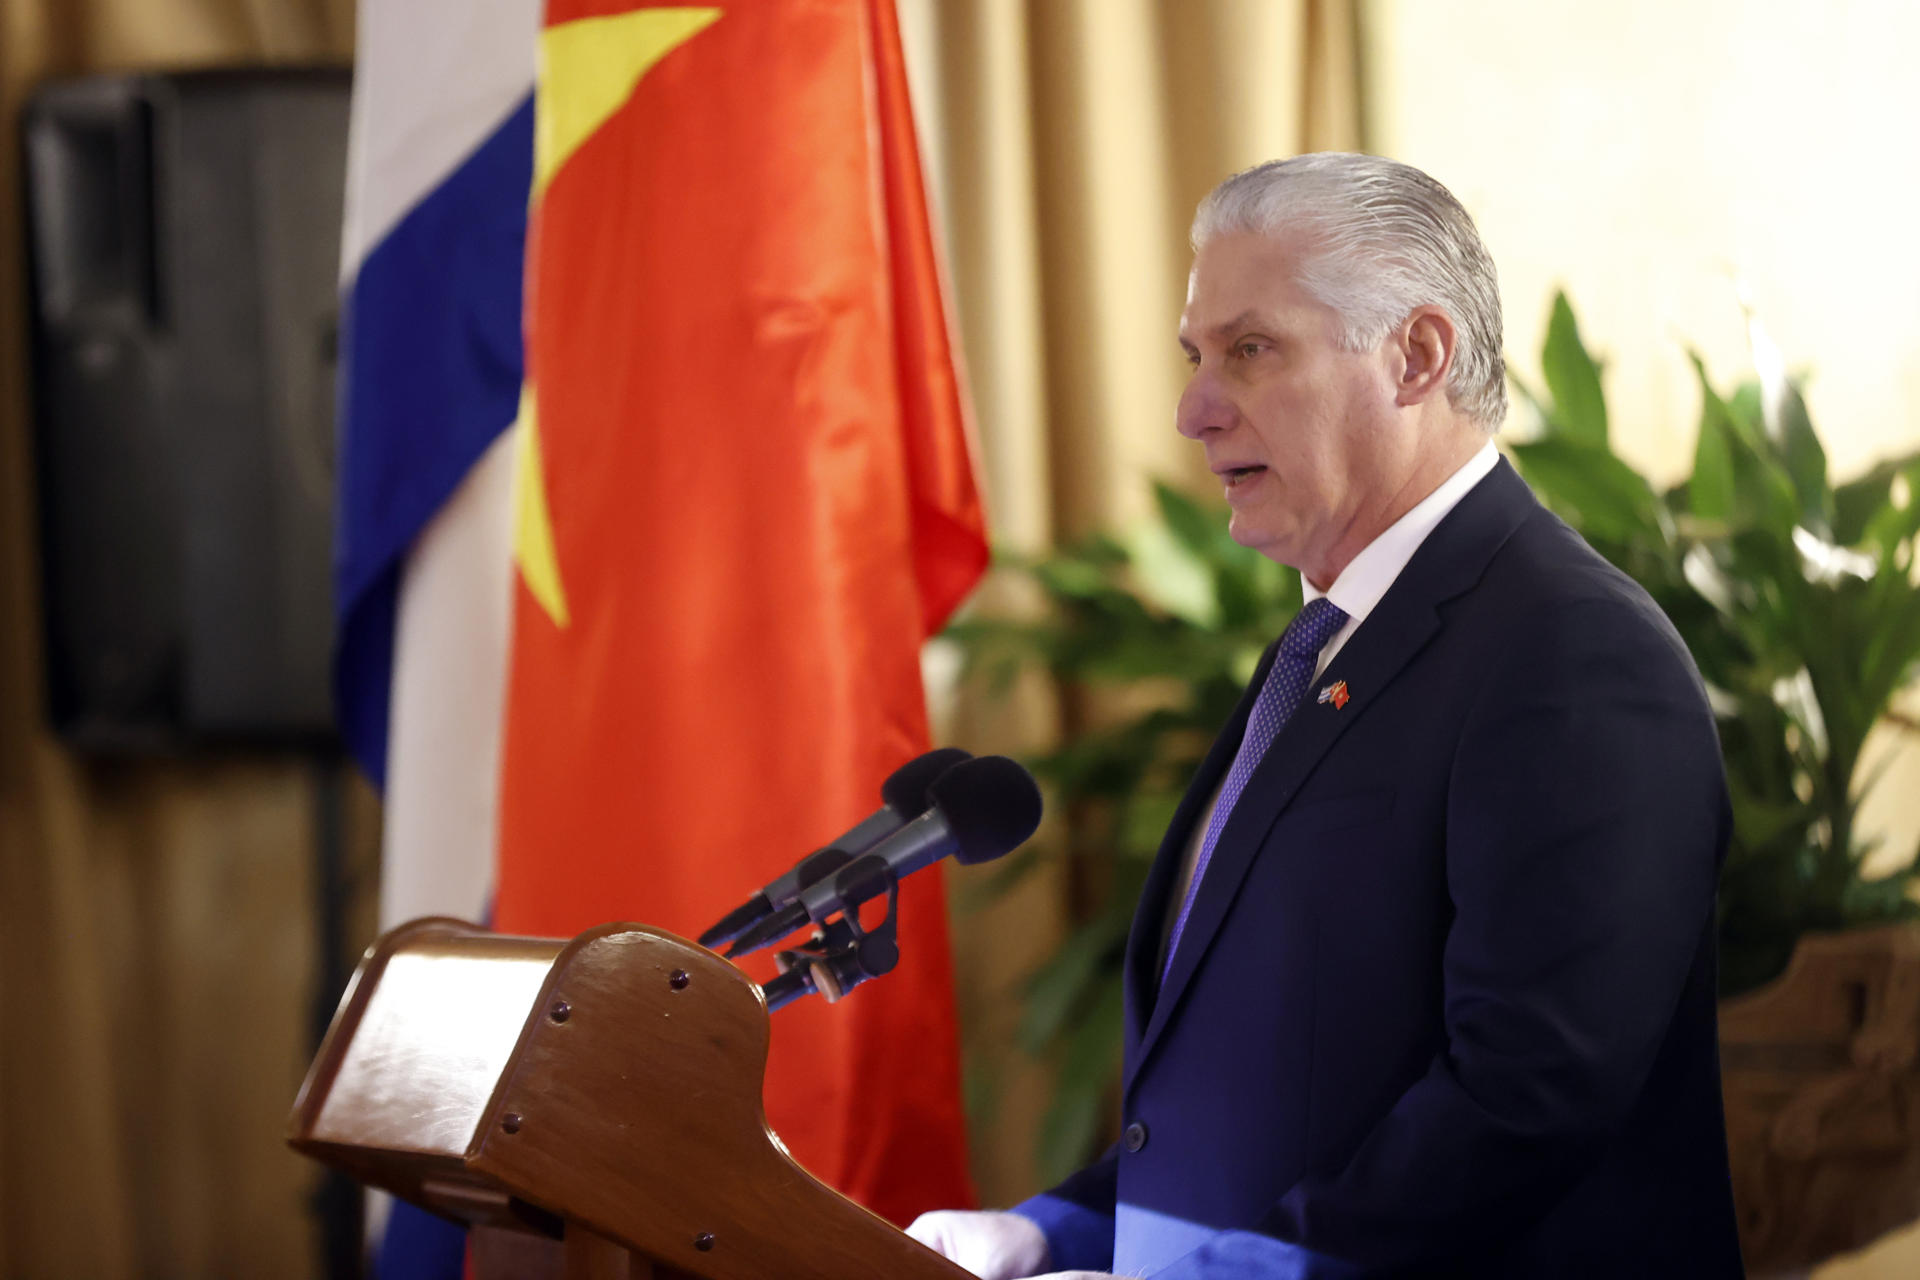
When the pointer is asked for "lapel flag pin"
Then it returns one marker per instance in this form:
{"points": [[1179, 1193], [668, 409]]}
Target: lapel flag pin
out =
{"points": [[1336, 693]]}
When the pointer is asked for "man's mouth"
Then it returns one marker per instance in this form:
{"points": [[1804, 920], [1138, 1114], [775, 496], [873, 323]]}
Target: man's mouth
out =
{"points": [[1240, 475]]}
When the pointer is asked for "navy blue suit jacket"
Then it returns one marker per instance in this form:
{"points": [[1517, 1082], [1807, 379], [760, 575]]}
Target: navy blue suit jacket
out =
{"points": [[1445, 1002]]}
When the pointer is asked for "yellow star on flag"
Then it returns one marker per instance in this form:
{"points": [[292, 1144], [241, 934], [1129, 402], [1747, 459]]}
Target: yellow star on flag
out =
{"points": [[588, 70]]}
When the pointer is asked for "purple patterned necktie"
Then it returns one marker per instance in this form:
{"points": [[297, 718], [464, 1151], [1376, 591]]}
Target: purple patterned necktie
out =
{"points": [[1286, 684]]}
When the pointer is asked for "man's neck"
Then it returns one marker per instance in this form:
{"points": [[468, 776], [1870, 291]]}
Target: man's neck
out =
{"points": [[1436, 463]]}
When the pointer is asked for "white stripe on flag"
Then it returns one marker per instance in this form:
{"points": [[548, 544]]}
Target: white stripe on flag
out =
{"points": [[449, 695], [432, 80]]}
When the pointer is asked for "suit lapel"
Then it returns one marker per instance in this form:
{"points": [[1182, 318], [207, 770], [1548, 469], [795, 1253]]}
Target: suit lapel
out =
{"points": [[1452, 559], [1149, 918]]}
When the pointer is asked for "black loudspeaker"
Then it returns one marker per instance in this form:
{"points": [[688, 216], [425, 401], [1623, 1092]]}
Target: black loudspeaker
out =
{"points": [[184, 259]]}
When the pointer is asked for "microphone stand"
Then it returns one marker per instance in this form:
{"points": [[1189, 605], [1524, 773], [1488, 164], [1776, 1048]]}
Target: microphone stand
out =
{"points": [[841, 955]]}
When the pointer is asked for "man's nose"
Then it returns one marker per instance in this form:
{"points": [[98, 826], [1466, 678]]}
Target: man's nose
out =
{"points": [[1202, 408]]}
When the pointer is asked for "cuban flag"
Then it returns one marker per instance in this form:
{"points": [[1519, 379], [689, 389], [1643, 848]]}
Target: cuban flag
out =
{"points": [[440, 169], [440, 165]]}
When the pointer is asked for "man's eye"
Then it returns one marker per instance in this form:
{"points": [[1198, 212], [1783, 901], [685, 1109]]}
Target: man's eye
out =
{"points": [[1248, 349]]}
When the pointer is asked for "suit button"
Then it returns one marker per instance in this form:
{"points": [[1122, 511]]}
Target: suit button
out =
{"points": [[1135, 1136]]}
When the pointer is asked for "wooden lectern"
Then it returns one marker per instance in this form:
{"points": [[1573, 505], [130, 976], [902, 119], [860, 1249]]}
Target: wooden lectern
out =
{"points": [[591, 1108]]}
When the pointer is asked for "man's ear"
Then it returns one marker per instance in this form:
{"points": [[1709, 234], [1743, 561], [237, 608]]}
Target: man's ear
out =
{"points": [[1427, 342]]}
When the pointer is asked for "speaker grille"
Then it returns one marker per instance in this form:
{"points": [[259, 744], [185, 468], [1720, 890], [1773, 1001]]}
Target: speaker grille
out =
{"points": [[183, 242]]}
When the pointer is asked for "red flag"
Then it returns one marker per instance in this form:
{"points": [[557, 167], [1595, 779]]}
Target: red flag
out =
{"points": [[748, 501]]}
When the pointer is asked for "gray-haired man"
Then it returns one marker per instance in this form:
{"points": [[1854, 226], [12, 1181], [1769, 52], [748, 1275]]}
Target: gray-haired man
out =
{"points": [[1422, 982]]}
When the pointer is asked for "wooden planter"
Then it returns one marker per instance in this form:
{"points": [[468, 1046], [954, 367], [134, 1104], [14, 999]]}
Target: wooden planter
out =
{"points": [[1821, 1069]]}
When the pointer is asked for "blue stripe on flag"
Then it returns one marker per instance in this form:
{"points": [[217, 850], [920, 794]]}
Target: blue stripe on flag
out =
{"points": [[420, 1246], [431, 367]]}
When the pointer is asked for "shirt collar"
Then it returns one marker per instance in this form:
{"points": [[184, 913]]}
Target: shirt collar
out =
{"points": [[1368, 575]]}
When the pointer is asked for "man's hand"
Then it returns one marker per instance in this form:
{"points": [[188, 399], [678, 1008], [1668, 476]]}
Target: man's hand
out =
{"points": [[994, 1246]]}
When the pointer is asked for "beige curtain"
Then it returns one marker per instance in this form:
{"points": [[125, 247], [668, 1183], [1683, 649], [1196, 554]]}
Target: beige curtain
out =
{"points": [[156, 952], [1068, 142], [155, 936]]}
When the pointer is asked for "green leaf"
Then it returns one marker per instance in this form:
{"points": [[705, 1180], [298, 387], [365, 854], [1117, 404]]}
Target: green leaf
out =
{"points": [[1573, 379], [1758, 823], [1763, 495], [1247, 661], [1748, 418], [1072, 578], [1865, 510], [1594, 491], [1710, 490], [1792, 430], [979, 1089], [1542, 412], [1148, 815], [1255, 592], [1173, 576], [1886, 642], [1198, 530], [1067, 1131], [1088, 1071], [1066, 979]]}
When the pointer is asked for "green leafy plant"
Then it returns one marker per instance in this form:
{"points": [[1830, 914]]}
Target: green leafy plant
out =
{"points": [[1795, 596], [1797, 600]]}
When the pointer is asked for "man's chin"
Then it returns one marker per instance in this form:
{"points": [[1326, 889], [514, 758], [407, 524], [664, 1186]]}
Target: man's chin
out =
{"points": [[1254, 538]]}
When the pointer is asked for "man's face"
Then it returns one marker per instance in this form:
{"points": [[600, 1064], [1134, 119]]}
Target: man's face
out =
{"points": [[1302, 433]]}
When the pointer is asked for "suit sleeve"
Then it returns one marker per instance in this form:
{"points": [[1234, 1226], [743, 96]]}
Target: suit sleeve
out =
{"points": [[1077, 1216], [1586, 815]]}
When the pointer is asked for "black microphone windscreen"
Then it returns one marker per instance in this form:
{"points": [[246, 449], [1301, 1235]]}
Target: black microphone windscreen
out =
{"points": [[905, 790], [990, 804]]}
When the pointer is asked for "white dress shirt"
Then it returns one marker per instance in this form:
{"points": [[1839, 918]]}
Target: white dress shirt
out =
{"points": [[1357, 590]]}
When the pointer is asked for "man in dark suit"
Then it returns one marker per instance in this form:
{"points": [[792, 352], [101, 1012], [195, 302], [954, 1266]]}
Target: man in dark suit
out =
{"points": [[1422, 982]]}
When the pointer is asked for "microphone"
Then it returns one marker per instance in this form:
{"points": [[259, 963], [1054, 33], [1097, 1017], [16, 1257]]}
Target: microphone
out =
{"points": [[982, 808], [903, 796]]}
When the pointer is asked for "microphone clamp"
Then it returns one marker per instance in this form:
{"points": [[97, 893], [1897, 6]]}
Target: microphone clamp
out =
{"points": [[842, 953]]}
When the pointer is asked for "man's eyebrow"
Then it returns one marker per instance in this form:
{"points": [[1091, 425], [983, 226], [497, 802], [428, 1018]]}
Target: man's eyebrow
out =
{"points": [[1248, 319]]}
